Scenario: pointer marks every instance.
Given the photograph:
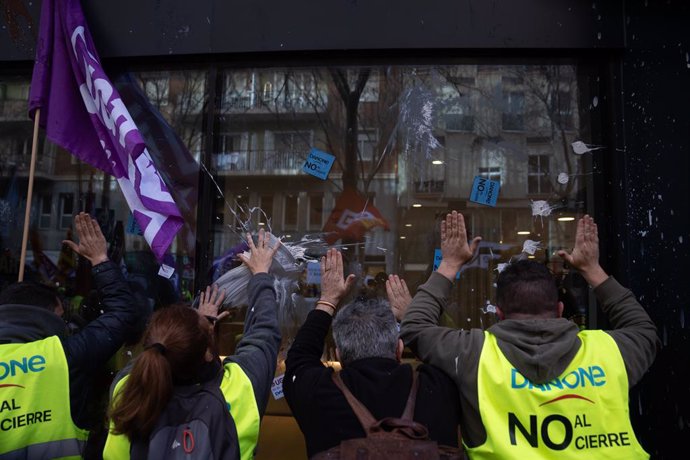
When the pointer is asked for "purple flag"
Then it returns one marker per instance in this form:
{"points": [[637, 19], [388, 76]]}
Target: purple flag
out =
{"points": [[82, 112]]}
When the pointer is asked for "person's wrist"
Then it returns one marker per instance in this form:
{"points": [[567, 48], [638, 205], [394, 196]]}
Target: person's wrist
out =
{"points": [[262, 269], [448, 270], [327, 306], [594, 275], [335, 300], [98, 259]]}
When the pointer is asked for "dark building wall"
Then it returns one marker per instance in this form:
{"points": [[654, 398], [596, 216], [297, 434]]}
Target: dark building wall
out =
{"points": [[653, 146], [641, 46], [130, 28]]}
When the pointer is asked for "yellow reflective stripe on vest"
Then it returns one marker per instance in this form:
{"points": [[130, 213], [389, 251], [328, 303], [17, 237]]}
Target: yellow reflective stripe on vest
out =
{"points": [[239, 393], [64, 449], [581, 414], [117, 446], [35, 416]]}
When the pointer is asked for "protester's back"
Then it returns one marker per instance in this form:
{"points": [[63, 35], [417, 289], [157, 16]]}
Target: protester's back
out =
{"points": [[195, 424], [390, 437], [534, 385], [370, 353], [48, 375], [178, 399]]}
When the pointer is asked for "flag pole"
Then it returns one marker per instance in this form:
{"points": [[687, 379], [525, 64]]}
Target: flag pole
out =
{"points": [[29, 193]]}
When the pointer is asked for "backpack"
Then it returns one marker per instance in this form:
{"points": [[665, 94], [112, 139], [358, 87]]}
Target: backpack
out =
{"points": [[196, 424], [390, 437]]}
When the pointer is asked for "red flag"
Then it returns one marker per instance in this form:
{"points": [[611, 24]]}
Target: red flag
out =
{"points": [[352, 217]]}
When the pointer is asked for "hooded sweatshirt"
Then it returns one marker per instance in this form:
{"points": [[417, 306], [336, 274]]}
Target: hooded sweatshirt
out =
{"points": [[90, 348], [540, 349]]}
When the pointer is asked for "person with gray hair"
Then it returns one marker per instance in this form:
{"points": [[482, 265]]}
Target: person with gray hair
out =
{"points": [[370, 353], [366, 329]]}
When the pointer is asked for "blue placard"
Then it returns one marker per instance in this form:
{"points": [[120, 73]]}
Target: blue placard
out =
{"points": [[313, 272], [133, 226], [437, 261], [318, 164], [485, 191]]}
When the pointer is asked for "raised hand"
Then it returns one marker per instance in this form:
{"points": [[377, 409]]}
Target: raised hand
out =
{"points": [[398, 296], [455, 250], [585, 254], [210, 301], [261, 254], [92, 244], [333, 284]]}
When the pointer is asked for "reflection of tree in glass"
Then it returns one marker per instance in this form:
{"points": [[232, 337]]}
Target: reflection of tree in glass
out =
{"points": [[540, 100]]}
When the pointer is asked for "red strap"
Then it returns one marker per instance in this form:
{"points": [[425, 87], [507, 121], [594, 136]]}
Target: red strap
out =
{"points": [[188, 448]]}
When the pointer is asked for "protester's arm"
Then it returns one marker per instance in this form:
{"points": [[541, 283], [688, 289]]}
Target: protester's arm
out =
{"points": [[101, 338], [304, 357], [633, 329], [305, 352], [419, 329], [257, 351]]}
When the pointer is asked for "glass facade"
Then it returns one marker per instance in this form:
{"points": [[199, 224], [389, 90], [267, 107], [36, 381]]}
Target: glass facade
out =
{"points": [[412, 142], [503, 144]]}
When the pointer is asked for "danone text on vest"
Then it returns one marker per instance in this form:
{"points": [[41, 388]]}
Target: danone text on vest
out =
{"points": [[35, 363], [35, 415], [583, 411], [10, 417]]}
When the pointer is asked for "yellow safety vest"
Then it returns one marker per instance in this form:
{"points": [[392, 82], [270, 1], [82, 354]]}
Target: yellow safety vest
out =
{"points": [[581, 414], [35, 416], [239, 394]]}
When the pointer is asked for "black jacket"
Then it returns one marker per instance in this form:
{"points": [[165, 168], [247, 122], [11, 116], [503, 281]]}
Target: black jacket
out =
{"points": [[381, 384], [88, 350]]}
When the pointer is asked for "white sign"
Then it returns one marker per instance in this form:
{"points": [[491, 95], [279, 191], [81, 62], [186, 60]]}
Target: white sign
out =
{"points": [[166, 271], [277, 387]]}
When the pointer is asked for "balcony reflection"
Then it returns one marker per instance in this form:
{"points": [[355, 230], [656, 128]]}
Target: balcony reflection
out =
{"points": [[263, 162]]}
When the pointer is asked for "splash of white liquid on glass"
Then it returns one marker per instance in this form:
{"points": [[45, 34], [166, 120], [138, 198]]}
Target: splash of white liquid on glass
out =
{"points": [[541, 208], [580, 147], [530, 247]]}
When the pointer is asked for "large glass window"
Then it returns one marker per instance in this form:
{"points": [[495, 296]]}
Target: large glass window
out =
{"points": [[408, 144], [409, 141]]}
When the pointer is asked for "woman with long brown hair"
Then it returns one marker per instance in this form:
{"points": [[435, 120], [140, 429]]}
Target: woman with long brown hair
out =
{"points": [[178, 398]]}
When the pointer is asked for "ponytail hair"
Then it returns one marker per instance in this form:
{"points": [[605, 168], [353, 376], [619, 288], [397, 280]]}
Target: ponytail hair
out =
{"points": [[175, 344]]}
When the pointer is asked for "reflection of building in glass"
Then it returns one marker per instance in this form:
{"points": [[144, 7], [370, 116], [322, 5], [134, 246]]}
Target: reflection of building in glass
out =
{"points": [[410, 140], [512, 124]]}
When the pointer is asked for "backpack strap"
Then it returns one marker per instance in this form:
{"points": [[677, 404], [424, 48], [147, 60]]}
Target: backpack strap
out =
{"points": [[363, 415], [408, 413]]}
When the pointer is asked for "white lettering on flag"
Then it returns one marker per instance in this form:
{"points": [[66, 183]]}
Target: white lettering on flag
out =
{"points": [[141, 185]]}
